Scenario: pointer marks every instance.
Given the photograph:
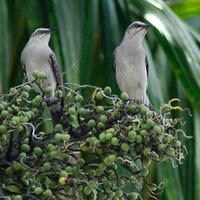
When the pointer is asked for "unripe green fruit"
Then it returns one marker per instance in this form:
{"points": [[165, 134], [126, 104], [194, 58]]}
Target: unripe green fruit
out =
{"points": [[58, 137], [79, 98], [37, 151], [119, 193], [47, 193], [53, 154], [63, 173], [167, 139], [25, 148], [47, 166], [143, 133], [124, 147], [149, 114], [58, 128], [114, 141], [132, 136], [103, 118], [82, 111], [99, 96], [71, 110], [146, 151], [107, 90], [157, 129], [100, 125], [161, 147], [178, 143], [170, 152], [18, 197], [124, 96], [133, 196], [38, 99], [51, 147], [25, 95], [3, 129], [38, 190], [99, 109], [138, 139], [65, 137], [15, 121], [27, 88], [150, 123], [8, 171], [41, 75], [87, 191], [1, 107], [81, 162], [143, 109], [4, 114], [102, 137], [35, 73], [69, 169], [48, 90], [91, 123], [132, 108], [109, 136]]}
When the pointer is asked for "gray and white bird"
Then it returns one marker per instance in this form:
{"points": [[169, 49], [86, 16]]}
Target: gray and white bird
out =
{"points": [[130, 62], [37, 55]]}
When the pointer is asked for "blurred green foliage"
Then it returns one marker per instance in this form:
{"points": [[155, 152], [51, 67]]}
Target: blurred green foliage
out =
{"points": [[89, 30]]}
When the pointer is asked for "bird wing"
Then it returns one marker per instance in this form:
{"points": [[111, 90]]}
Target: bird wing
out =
{"points": [[114, 60], [56, 71], [147, 65], [24, 70]]}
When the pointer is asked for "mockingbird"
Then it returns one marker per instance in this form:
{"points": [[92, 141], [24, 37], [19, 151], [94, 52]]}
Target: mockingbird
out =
{"points": [[130, 62], [37, 55]]}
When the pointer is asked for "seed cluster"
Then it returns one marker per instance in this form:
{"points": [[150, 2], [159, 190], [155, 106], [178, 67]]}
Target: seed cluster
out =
{"points": [[103, 144]]}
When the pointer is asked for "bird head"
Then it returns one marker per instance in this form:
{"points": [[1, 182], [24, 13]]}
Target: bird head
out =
{"points": [[41, 34], [136, 30]]}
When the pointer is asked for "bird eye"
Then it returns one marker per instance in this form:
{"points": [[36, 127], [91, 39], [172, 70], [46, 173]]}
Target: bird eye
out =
{"points": [[137, 25]]}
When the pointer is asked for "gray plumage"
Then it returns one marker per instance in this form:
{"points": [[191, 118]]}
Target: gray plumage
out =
{"points": [[130, 62], [37, 55]]}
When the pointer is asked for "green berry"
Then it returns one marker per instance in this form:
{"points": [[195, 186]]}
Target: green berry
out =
{"points": [[146, 151], [58, 128], [161, 147], [69, 169], [38, 99], [114, 141], [109, 136], [4, 114], [157, 129], [144, 172], [99, 109], [103, 118], [37, 151], [48, 90], [170, 152], [107, 90], [143, 109], [132, 136], [25, 148], [82, 111], [18, 197], [149, 114], [99, 96], [27, 88], [35, 73], [41, 75], [47, 166], [102, 137], [79, 98], [138, 139], [87, 191], [100, 125], [25, 95], [132, 108], [167, 139], [3, 129], [124, 96], [38, 190], [124, 147], [91, 123], [150, 123], [133, 195], [71, 110], [62, 180], [47, 193], [65, 137], [63, 173]]}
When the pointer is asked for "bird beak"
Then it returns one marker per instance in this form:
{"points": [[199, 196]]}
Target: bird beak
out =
{"points": [[147, 26], [51, 30]]}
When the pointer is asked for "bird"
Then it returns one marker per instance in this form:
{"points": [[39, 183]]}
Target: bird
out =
{"points": [[130, 62], [37, 55]]}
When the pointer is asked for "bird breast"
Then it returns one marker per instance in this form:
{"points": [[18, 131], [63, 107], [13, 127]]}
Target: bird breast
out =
{"points": [[131, 71], [36, 57]]}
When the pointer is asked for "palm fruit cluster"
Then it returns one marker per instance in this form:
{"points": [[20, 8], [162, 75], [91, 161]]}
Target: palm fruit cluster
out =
{"points": [[103, 145]]}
